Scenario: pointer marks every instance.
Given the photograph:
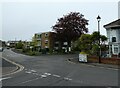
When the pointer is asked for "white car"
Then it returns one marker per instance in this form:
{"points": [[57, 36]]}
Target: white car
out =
{"points": [[1, 49]]}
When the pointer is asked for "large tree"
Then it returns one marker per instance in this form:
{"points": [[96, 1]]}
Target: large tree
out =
{"points": [[70, 27]]}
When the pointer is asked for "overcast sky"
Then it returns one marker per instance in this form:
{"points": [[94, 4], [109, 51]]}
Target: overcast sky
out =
{"points": [[20, 20]]}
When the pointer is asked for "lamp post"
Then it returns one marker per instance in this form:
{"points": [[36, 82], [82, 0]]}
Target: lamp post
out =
{"points": [[98, 19]]}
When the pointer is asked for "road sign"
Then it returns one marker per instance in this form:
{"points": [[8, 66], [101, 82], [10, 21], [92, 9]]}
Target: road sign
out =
{"points": [[82, 57]]}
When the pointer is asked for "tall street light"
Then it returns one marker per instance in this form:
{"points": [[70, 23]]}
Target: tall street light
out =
{"points": [[98, 19]]}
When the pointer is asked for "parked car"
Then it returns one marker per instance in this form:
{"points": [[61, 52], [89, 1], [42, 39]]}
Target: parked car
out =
{"points": [[1, 49]]}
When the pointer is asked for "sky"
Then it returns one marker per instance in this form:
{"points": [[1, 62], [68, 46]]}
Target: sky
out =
{"points": [[21, 19]]}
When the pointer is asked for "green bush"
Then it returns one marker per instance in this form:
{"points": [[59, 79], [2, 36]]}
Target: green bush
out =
{"points": [[83, 53], [19, 45], [43, 51], [31, 53]]}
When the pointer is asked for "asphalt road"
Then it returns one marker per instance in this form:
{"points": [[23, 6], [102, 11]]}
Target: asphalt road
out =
{"points": [[55, 70]]}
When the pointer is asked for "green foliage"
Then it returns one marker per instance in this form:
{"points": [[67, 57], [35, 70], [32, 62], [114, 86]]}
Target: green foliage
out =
{"points": [[19, 45], [44, 51], [24, 50], [31, 53], [95, 49], [89, 43], [85, 43], [83, 53]]}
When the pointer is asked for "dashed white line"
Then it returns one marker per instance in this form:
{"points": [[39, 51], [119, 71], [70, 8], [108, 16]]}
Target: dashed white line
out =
{"points": [[56, 75], [43, 76], [67, 78], [28, 72], [47, 74], [33, 71]]}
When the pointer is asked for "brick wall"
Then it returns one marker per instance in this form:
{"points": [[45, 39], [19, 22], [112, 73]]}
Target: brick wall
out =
{"points": [[94, 59]]}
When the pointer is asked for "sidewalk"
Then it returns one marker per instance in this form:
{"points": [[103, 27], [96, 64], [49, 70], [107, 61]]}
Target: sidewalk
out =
{"points": [[75, 60], [7, 67]]}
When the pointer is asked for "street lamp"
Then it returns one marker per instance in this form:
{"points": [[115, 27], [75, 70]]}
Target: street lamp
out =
{"points": [[98, 19]]}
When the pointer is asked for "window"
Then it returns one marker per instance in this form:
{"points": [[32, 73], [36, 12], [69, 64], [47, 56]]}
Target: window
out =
{"points": [[113, 39], [46, 34], [115, 48], [46, 41]]}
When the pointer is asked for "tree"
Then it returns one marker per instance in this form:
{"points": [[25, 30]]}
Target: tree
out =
{"points": [[70, 27], [88, 43], [19, 45], [103, 39], [85, 43]]}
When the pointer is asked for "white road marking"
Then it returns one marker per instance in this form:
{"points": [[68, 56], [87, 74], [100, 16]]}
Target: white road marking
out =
{"points": [[56, 75], [4, 78], [33, 71], [35, 74], [67, 78], [43, 76], [28, 72], [47, 74], [29, 80]]}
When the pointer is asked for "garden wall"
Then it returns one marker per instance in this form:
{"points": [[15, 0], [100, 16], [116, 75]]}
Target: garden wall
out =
{"points": [[114, 60]]}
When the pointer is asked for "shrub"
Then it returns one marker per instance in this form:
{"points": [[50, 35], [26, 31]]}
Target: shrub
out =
{"points": [[31, 53]]}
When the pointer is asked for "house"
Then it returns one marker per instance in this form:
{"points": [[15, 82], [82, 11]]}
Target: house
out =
{"points": [[113, 34], [11, 44]]}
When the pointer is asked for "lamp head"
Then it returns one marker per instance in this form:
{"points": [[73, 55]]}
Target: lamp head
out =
{"points": [[98, 18]]}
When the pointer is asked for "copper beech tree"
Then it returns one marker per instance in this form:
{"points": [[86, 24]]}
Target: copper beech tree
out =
{"points": [[70, 27]]}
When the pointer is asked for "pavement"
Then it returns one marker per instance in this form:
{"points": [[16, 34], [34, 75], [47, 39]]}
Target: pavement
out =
{"points": [[8, 67], [76, 61]]}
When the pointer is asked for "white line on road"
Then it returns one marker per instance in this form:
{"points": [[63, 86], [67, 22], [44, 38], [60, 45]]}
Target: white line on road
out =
{"points": [[29, 80], [33, 71], [47, 74], [43, 76], [28, 72], [4, 78], [35, 74], [67, 78], [56, 75]]}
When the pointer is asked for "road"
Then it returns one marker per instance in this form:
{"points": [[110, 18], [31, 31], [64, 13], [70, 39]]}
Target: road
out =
{"points": [[56, 70]]}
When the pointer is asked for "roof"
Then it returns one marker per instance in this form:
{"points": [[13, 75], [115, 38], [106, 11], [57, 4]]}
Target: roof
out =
{"points": [[113, 24]]}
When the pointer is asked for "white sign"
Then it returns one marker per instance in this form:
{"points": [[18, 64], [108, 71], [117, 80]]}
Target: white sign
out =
{"points": [[82, 57]]}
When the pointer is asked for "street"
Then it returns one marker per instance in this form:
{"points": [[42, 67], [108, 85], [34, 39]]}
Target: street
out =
{"points": [[56, 70]]}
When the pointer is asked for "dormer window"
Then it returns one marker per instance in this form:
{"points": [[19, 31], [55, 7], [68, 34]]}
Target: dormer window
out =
{"points": [[113, 39]]}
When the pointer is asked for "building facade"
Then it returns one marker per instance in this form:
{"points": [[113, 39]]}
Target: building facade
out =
{"points": [[37, 39], [113, 34], [47, 40]]}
